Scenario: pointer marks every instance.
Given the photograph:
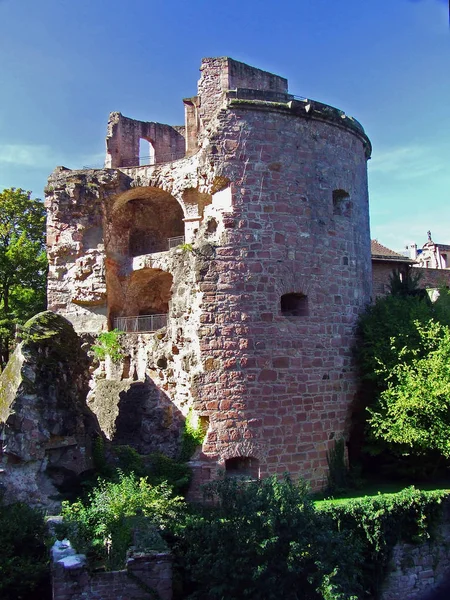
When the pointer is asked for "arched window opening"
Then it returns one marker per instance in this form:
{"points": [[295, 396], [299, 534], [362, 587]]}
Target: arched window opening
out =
{"points": [[246, 467], [144, 305], [146, 153], [143, 221], [294, 305], [341, 203]]}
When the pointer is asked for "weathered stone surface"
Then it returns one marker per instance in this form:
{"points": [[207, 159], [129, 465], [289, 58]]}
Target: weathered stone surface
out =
{"points": [[272, 198], [46, 429]]}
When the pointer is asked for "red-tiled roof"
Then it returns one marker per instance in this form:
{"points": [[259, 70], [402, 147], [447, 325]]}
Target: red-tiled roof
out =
{"points": [[380, 252]]}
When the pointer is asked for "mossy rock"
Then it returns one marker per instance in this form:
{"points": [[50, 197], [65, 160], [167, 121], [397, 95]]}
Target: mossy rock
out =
{"points": [[47, 329]]}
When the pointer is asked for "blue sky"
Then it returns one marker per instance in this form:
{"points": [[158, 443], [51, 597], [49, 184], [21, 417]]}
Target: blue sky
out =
{"points": [[65, 65]]}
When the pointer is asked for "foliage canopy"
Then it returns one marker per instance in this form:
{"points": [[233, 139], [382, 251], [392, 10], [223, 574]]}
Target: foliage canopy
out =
{"points": [[414, 410], [103, 526], [23, 262], [403, 354], [263, 539]]}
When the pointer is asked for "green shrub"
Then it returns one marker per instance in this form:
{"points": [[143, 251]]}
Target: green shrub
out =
{"points": [[157, 467], [24, 565], [412, 414], [108, 344], [103, 526], [338, 478], [192, 437], [376, 524], [162, 468], [263, 539]]}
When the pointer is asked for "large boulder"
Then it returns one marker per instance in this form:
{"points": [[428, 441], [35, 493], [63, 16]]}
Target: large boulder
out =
{"points": [[46, 428]]}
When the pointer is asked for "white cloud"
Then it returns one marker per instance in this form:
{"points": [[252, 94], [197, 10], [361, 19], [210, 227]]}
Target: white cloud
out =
{"points": [[26, 155], [407, 162], [41, 156]]}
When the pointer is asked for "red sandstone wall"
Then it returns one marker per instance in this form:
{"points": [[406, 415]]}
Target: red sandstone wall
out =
{"points": [[279, 388], [433, 278], [430, 278]]}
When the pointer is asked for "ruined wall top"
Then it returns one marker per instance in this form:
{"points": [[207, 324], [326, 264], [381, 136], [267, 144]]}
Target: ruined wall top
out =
{"points": [[223, 83], [235, 74]]}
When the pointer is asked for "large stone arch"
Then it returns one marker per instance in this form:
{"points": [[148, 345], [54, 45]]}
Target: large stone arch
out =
{"points": [[141, 221]]}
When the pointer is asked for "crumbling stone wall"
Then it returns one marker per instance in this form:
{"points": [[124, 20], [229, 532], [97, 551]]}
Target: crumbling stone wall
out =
{"points": [[264, 304], [418, 569], [147, 574], [46, 428]]}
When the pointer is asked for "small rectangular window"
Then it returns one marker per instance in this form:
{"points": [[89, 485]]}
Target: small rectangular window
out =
{"points": [[294, 305], [341, 203]]}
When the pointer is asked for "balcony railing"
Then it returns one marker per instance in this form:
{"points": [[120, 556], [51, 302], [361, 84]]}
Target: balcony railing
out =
{"points": [[141, 324], [175, 241]]}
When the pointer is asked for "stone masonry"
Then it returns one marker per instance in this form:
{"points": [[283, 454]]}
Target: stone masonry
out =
{"points": [[260, 303]]}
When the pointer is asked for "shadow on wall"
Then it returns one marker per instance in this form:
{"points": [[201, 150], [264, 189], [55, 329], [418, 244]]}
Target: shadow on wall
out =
{"points": [[442, 592], [148, 420]]}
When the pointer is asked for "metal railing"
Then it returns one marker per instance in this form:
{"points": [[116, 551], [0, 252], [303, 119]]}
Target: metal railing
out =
{"points": [[142, 323], [175, 241], [149, 161]]}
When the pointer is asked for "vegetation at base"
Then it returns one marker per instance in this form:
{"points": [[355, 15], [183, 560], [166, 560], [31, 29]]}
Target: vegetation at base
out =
{"points": [[402, 352], [338, 478], [155, 467], [192, 436], [262, 539], [413, 412], [376, 524], [24, 561], [108, 344], [23, 263], [103, 526]]}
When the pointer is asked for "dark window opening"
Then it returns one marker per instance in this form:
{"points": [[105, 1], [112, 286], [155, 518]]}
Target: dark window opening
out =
{"points": [[294, 305], [341, 203], [211, 226], [242, 466]]}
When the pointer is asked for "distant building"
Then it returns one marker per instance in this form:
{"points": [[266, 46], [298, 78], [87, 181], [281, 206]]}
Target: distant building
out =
{"points": [[432, 260], [431, 255], [384, 262]]}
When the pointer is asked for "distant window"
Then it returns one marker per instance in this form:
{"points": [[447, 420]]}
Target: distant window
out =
{"points": [[146, 153], [242, 466], [294, 305], [341, 203]]}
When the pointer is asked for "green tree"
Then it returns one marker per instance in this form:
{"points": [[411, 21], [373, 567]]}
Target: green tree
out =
{"points": [[263, 539], [413, 412], [387, 335], [23, 263]]}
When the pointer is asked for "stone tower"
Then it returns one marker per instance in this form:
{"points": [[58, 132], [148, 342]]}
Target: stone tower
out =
{"points": [[236, 258]]}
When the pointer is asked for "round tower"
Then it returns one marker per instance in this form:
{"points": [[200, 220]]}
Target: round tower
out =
{"points": [[293, 273], [248, 250]]}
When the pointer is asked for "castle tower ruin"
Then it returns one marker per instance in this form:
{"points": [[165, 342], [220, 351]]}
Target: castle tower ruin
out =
{"points": [[237, 260]]}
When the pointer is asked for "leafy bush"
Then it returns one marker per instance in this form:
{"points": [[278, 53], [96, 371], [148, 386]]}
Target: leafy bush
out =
{"points": [[386, 328], [24, 565], [192, 437], [339, 476], [108, 344], [376, 524], [414, 411], [389, 336], [103, 526], [157, 467], [263, 539]]}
